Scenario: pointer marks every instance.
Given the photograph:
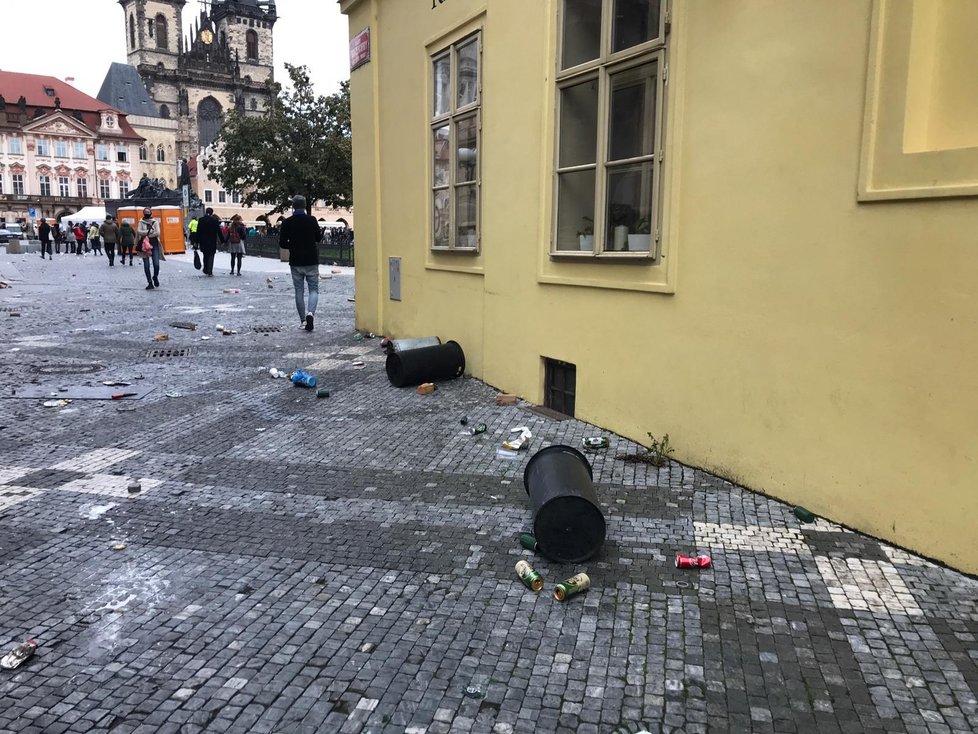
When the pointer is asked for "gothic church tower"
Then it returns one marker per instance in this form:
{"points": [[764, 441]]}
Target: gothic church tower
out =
{"points": [[224, 64]]}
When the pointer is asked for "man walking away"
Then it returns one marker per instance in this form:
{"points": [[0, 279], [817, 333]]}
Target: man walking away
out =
{"points": [[192, 229], [110, 236], [208, 234], [44, 234], [301, 235], [127, 242]]}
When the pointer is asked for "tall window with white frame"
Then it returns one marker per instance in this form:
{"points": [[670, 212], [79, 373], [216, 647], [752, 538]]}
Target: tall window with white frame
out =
{"points": [[45, 182], [82, 184], [64, 190], [123, 188], [608, 157], [455, 142], [104, 188], [17, 183]]}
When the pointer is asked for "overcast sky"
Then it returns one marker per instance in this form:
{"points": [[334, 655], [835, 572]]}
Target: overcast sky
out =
{"points": [[80, 38]]}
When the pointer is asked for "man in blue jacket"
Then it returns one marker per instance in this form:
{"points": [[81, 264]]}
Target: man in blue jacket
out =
{"points": [[301, 235]]}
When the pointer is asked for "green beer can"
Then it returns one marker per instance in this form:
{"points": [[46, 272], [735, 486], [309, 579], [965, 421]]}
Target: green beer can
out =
{"points": [[530, 578], [573, 585]]}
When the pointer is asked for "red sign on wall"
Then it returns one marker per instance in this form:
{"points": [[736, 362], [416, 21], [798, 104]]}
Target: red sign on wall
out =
{"points": [[360, 49]]}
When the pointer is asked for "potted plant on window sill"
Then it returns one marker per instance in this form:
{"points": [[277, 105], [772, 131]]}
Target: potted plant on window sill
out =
{"points": [[586, 235], [641, 239]]}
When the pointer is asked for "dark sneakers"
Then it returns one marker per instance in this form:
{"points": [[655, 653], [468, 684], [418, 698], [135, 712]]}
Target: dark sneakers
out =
{"points": [[156, 281], [149, 287], [309, 322]]}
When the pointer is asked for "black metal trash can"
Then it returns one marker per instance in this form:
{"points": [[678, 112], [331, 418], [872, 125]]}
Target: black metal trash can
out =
{"points": [[425, 364], [567, 522]]}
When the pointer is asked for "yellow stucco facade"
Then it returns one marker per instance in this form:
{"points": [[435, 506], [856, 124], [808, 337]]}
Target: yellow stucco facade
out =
{"points": [[807, 324]]}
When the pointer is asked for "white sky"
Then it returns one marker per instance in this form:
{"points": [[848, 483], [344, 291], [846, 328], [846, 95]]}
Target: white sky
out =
{"points": [[80, 38]]}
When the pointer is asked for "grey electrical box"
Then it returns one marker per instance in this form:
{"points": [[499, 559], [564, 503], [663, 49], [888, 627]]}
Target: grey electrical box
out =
{"points": [[395, 278]]}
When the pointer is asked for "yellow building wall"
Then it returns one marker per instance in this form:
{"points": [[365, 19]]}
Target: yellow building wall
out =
{"points": [[796, 339]]}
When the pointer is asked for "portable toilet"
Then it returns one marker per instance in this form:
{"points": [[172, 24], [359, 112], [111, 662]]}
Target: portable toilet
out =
{"points": [[131, 214], [171, 229]]}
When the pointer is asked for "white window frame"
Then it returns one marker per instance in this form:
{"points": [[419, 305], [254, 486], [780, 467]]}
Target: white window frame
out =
{"points": [[608, 64], [123, 188], [60, 148], [451, 118], [222, 197], [78, 151], [82, 183], [122, 154], [104, 188], [64, 187], [17, 184], [44, 185], [208, 196], [42, 147], [101, 152], [16, 146]]}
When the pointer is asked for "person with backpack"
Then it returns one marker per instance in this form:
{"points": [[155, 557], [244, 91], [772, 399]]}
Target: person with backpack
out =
{"points": [[237, 234], [79, 233], [127, 242]]}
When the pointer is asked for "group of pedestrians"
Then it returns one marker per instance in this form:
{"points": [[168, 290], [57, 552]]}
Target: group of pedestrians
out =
{"points": [[300, 235]]}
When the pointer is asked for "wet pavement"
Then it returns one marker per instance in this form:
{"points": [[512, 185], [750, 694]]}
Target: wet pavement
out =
{"points": [[294, 564]]}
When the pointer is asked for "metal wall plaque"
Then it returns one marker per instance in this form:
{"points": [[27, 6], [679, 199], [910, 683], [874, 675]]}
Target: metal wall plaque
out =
{"points": [[395, 278]]}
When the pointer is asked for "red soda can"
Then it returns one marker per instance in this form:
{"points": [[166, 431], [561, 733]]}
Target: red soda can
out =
{"points": [[702, 561]]}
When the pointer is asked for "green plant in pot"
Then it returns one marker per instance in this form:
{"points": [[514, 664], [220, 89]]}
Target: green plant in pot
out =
{"points": [[622, 217], [640, 237], [585, 235]]}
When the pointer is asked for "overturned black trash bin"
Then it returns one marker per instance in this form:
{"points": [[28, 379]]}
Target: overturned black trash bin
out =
{"points": [[425, 364], [567, 521]]}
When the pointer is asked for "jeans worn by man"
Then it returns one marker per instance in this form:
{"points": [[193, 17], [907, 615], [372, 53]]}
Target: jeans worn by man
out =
{"points": [[301, 235]]}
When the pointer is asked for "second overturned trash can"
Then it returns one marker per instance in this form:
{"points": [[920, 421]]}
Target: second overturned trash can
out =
{"points": [[567, 521], [425, 364]]}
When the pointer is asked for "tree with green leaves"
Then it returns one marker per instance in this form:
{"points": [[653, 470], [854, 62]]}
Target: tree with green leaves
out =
{"points": [[302, 146]]}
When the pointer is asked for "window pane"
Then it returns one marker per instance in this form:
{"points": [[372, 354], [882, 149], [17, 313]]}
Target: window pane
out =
{"points": [[629, 207], [442, 154], [466, 140], [441, 219], [632, 129], [575, 211], [578, 124], [582, 32], [468, 73], [466, 216], [443, 85], [635, 22]]}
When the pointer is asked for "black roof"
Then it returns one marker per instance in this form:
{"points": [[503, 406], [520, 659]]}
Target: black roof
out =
{"points": [[123, 88]]}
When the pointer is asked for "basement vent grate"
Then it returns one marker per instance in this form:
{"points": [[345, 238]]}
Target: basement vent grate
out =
{"points": [[169, 352], [267, 329]]}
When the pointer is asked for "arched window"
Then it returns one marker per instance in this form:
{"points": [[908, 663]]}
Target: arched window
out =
{"points": [[209, 114], [132, 32], [252, 40], [143, 153], [160, 154], [151, 24], [161, 31], [164, 112]]}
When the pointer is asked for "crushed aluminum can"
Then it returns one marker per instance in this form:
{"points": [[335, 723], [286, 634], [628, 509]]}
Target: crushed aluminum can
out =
{"points": [[528, 542], [700, 561], [481, 428], [595, 442], [573, 585], [530, 578]]}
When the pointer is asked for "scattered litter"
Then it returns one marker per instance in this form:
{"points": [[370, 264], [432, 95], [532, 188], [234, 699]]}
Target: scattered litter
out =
{"points": [[481, 428], [357, 336], [595, 442], [425, 388], [520, 442], [228, 332], [4, 284], [84, 310], [325, 276], [204, 338], [115, 383], [126, 409], [358, 365], [502, 453], [261, 430], [351, 299], [336, 271], [573, 585], [232, 290], [19, 655], [219, 327], [174, 395], [121, 395], [56, 403], [161, 337], [277, 373], [139, 377], [528, 541], [475, 691], [530, 578], [701, 561], [119, 546], [464, 421], [322, 393], [804, 515], [303, 379], [134, 487], [184, 325], [14, 313], [506, 399], [368, 647]]}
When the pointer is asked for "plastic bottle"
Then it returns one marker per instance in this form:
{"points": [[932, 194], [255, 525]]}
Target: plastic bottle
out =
{"points": [[303, 379]]}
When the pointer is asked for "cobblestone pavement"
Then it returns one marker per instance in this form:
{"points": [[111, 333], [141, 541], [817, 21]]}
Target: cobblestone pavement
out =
{"points": [[295, 564]]}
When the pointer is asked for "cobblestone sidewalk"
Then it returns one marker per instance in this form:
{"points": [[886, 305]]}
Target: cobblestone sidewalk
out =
{"points": [[294, 564]]}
